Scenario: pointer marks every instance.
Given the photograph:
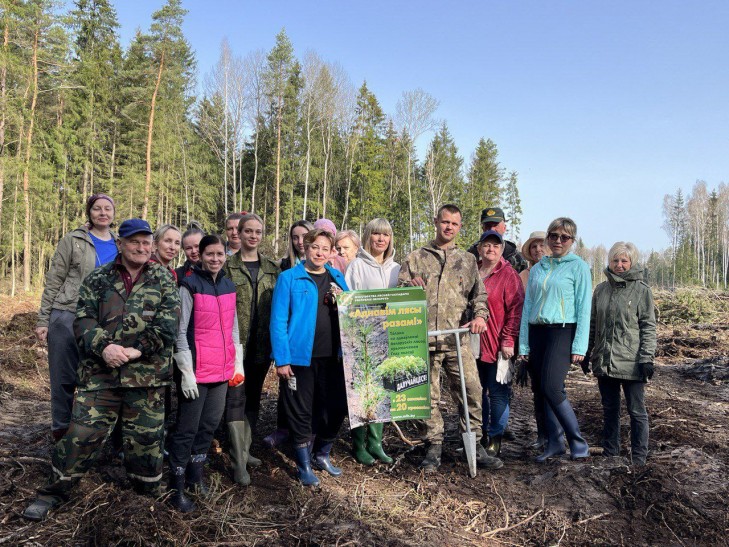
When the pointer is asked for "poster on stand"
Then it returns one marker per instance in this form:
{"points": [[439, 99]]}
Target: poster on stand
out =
{"points": [[384, 336]]}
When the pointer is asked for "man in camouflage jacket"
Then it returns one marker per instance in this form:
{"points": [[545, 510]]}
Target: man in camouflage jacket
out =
{"points": [[126, 324], [456, 297]]}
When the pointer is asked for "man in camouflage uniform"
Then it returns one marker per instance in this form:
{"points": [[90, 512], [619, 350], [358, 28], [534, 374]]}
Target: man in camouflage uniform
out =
{"points": [[126, 324], [454, 292]]}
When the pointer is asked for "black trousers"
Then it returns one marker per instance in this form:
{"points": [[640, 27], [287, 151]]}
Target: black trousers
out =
{"points": [[256, 371], [319, 404], [197, 420], [550, 356], [635, 401], [235, 403], [281, 421]]}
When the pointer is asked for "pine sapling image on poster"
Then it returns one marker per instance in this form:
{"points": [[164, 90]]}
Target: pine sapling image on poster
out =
{"points": [[385, 351]]}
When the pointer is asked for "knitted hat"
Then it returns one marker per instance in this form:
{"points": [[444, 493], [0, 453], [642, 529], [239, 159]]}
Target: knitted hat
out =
{"points": [[326, 224]]}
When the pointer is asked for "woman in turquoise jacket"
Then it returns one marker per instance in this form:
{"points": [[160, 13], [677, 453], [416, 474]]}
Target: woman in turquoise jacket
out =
{"points": [[306, 348], [555, 325]]}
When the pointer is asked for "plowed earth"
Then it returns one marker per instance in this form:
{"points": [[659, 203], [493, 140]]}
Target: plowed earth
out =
{"points": [[679, 498]]}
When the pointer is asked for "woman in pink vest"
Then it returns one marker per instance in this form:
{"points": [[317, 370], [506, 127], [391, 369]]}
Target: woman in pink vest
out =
{"points": [[210, 358]]}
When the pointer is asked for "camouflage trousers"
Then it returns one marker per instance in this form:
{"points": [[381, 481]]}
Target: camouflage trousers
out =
{"points": [[94, 415], [446, 361]]}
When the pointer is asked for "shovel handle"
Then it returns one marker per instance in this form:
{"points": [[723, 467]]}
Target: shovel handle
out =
{"points": [[447, 331]]}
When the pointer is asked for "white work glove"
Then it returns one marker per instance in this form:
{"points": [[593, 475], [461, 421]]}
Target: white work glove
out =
{"points": [[239, 375], [189, 384], [504, 370]]}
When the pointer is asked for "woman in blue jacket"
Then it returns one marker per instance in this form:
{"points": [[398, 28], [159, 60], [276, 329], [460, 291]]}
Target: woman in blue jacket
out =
{"points": [[555, 325], [306, 348]]}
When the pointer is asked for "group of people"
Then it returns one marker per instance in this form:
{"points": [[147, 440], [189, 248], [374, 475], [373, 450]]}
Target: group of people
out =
{"points": [[122, 326]]}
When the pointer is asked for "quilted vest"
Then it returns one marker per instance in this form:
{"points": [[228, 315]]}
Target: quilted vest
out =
{"points": [[210, 335]]}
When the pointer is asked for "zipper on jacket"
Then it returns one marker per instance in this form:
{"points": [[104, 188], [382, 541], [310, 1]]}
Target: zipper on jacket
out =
{"points": [[544, 290], [222, 330]]}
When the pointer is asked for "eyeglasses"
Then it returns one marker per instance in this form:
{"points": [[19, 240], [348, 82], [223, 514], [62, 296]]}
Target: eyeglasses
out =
{"points": [[564, 238]]}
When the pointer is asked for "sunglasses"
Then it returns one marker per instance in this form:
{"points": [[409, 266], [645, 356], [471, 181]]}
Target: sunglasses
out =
{"points": [[564, 238]]}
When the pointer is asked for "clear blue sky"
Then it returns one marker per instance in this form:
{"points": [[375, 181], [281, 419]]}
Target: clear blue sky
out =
{"points": [[602, 108]]}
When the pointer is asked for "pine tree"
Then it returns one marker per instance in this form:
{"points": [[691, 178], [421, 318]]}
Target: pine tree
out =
{"points": [[512, 205], [484, 182], [278, 80]]}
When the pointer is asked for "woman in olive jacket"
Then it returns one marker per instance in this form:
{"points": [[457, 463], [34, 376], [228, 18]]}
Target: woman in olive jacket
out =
{"points": [[78, 253], [622, 346]]}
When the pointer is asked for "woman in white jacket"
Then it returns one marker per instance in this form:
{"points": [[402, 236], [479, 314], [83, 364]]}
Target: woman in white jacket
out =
{"points": [[374, 268]]}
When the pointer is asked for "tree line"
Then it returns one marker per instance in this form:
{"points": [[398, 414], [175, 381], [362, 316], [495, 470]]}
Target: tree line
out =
{"points": [[697, 225], [265, 131]]}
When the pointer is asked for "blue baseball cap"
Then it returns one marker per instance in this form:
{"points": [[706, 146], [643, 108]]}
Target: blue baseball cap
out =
{"points": [[491, 233], [134, 226]]}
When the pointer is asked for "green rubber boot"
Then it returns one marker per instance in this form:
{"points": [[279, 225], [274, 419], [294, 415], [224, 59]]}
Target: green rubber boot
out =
{"points": [[374, 442], [359, 446]]}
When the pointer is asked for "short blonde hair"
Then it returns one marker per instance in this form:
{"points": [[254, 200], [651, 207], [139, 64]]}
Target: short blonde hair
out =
{"points": [[351, 234], [623, 248], [378, 226], [566, 223], [160, 232]]}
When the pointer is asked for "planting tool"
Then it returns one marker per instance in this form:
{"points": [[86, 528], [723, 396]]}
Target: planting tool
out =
{"points": [[469, 437]]}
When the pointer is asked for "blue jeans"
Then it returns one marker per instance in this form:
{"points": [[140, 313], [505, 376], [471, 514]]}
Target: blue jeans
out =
{"points": [[494, 400]]}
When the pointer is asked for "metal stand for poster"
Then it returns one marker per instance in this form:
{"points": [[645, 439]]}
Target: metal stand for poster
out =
{"points": [[469, 437]]}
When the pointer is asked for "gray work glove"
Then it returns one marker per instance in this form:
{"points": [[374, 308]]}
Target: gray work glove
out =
{"points": [[189, 383]]}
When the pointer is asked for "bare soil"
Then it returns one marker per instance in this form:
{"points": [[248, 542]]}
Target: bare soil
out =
{"points": [[678, 498]]}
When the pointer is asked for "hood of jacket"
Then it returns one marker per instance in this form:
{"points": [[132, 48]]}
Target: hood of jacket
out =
{"points": [[368, 259], [635, 273]]}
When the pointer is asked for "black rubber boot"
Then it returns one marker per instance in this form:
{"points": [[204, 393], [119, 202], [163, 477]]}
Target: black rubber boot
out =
{"points": [[431, 462], [493, 448], [555, 442], [321, 459], [179, 500], [195, 475], [567, 418]]}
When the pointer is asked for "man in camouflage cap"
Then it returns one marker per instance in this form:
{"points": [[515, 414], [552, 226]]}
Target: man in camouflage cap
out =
{"points": [[126, 324], [493, 218], [454, 291]]}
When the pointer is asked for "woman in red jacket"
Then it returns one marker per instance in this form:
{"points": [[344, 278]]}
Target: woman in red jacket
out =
{"points": [[506, 298]]}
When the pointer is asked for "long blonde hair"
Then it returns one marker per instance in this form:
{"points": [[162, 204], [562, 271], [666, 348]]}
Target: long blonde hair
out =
{"points": [[378, 226]]}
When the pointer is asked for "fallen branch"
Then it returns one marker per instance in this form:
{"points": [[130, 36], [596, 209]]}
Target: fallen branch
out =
{"points": [[507, 528], [403, 438], [24, 459], [593, 517]]}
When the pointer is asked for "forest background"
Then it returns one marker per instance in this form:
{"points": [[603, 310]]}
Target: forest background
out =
{"points": [[284, 136]]}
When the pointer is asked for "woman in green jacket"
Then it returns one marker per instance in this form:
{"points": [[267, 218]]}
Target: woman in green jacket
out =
{"points": [[78, 253], [254, 276], [621, 348]]}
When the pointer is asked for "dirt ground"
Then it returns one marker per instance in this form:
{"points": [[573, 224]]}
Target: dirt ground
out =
{"points": [[679, 498]]}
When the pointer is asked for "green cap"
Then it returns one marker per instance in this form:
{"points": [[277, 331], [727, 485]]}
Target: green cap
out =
{"points": [[492, 214]]}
